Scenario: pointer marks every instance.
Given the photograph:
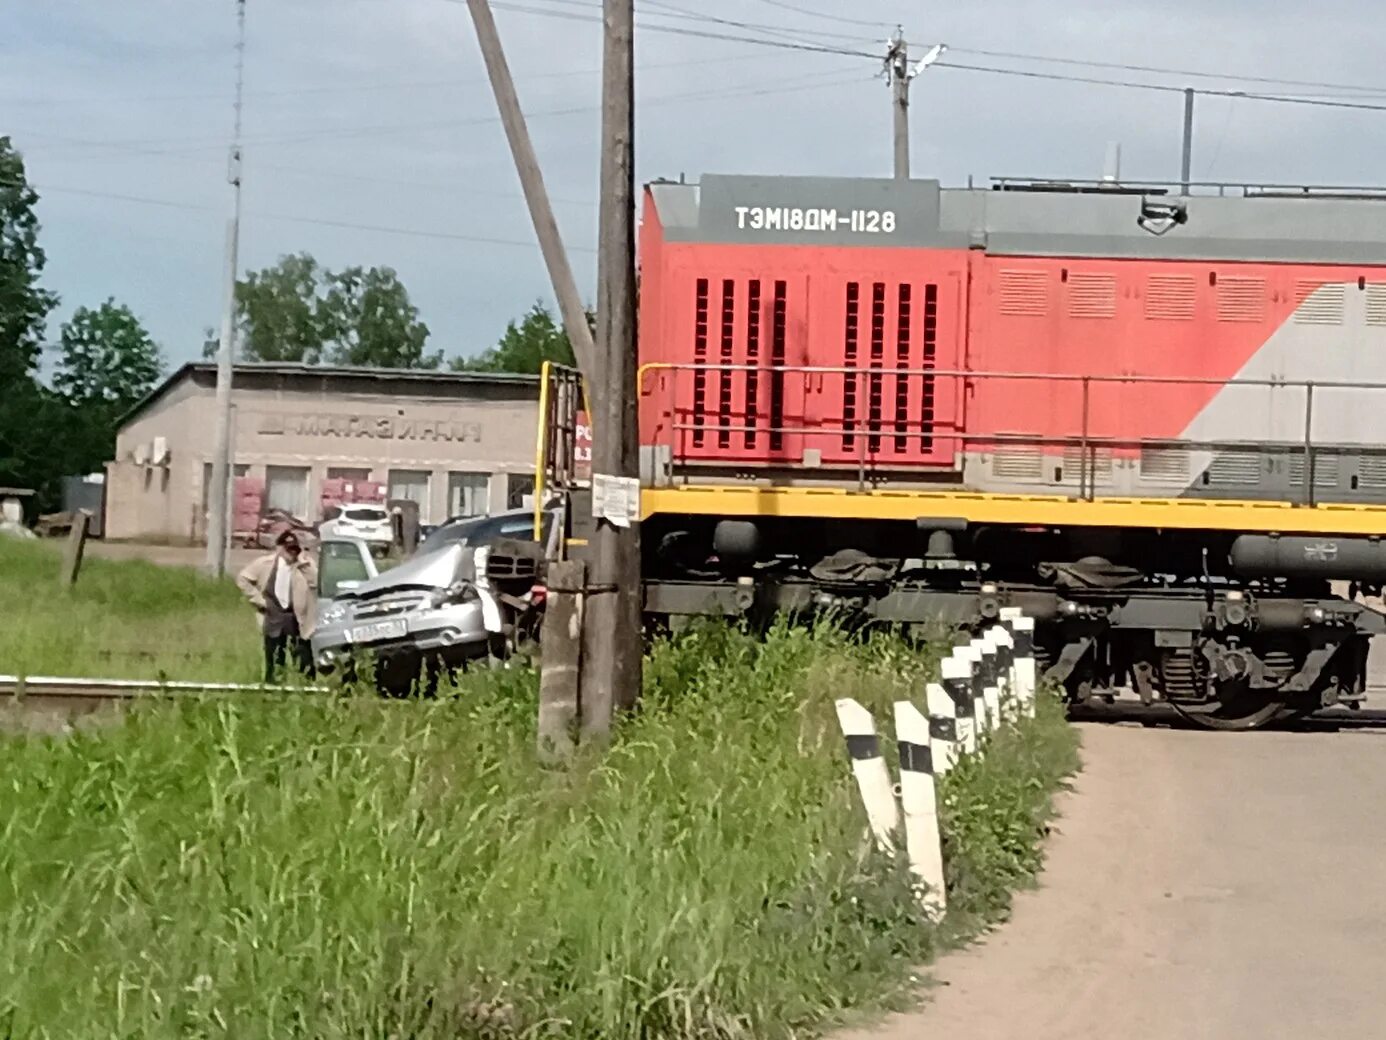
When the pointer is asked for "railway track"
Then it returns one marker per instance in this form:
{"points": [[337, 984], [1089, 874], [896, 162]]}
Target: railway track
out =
{"points": [[79, 696]]}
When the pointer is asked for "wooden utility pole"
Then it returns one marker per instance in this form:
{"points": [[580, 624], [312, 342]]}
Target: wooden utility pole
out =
{"points": [[611, 638], [532, 182]]}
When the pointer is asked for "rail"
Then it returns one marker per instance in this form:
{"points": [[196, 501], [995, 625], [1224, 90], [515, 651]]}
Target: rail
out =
{"points": [[75, 693], [1089, 441]]}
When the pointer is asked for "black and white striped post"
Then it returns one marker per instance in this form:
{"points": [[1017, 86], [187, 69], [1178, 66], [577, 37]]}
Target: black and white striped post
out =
{"points": [[943, 724], [979, 684], [873, 777], [919, 800], [1005, 676], [957, 683], [991, 677], [1023, 658]]}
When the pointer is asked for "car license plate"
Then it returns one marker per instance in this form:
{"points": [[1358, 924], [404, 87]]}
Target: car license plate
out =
{"points": [[378, 630]]}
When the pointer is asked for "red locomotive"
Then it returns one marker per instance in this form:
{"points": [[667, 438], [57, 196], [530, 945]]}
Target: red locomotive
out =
{"points": [[1155, 421]]}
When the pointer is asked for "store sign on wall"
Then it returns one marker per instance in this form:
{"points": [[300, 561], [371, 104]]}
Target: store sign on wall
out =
{"points": [[383, 427]]}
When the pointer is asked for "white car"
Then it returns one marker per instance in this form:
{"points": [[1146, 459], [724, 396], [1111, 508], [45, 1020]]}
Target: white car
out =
{"points": [[369, 523]]}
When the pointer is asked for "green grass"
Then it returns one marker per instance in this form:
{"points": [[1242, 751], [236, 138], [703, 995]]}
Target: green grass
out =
{"points": [[123, 620], [357, 869]]}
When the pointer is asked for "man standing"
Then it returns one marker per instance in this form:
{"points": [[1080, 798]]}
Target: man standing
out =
{"points": [[282, 586]]}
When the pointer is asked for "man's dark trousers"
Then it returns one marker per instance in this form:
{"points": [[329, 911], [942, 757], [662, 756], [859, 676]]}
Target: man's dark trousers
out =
{"points": [[282, 638]]}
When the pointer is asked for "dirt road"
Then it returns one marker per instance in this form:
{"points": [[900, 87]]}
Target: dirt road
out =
{"points": [[1200, 885]]}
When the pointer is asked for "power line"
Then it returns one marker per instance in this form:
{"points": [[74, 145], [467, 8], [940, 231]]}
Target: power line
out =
{"points": [[683, 31], [670, 11], [1168, 71], [296, 218], [782, 5], [779, 85], [1165, 88], [353, 88]]}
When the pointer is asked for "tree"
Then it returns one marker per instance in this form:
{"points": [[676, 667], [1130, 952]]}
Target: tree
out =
{"points": [[538, 337], [27, 458], [24, 306], [108, 361], [281, 311], [369, 320], [298, 310]]}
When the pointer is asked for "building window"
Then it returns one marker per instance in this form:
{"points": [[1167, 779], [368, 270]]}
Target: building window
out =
{"points": [[286, 488], [517, 487], [469, 494], [241, 471], [411, 485]]}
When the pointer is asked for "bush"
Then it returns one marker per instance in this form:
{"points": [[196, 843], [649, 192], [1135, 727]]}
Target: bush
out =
{"points": [[335, 869]]}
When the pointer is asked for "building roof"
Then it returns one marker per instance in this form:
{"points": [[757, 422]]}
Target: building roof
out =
{"points": [[257, 371], [1012, 217]]}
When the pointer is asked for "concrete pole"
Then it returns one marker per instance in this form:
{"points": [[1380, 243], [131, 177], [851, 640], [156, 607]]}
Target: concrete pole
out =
{"points": [[1186, 165], [570, 307], [219, 494], [612, 648], [897, 62]]}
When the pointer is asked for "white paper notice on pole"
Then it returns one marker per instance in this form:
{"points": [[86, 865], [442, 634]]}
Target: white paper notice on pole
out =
{"points": [[616, 499]]}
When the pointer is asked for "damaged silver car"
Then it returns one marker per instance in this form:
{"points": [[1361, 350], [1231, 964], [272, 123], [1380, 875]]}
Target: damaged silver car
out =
{"points": [[436, 611]]}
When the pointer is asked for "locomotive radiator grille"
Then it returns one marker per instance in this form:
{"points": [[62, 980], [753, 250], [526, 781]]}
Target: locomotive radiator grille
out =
{"points": [[902, 360], [699, 356], [927, 402], [874, 394], [778, 322], [752, 357], [849, 360], [724, 377]]}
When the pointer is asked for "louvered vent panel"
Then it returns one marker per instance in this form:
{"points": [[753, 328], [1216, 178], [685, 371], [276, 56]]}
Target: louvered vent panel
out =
{"points": [[1326, 470], [1099, 464], [1092, 295], [1320, 303], [1235, 469], [1165, 465], [1371, 471], [1376, 305], [1242, 299], [1171, 297], [1024, 294], [1019, 462]]}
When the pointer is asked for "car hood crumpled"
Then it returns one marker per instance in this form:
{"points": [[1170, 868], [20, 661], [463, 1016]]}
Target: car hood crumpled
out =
{"points": [[439, 569]]}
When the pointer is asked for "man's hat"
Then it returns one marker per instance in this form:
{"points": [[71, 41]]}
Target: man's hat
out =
{"points": [[287, 537]]}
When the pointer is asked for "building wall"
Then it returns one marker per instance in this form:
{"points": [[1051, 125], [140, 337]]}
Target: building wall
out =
{"points": [[440, 431]]}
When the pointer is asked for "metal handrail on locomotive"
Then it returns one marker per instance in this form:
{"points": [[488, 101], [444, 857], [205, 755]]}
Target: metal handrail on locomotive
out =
{"points": [[1154, 420]]}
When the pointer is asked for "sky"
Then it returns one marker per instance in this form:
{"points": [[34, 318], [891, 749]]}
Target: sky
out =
{"points": [[370, 134]]}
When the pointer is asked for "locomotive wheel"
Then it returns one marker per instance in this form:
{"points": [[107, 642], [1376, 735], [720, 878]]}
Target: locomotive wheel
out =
{"points": [[1233, 708]]}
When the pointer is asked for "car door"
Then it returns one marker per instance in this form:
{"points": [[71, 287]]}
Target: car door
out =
{"points": [[343, 564]]}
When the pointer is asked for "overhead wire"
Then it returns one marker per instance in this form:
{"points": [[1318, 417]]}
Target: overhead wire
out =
{"points": [[1170, 71], [1167, 88], [840, 19], [676, 30]]}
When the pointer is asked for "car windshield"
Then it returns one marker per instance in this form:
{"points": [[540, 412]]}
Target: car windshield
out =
{"points": [[483, 530], [339, 562], [365, 515]]}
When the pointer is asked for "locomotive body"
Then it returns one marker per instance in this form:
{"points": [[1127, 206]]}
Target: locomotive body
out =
{"points": [[1156, 421]]}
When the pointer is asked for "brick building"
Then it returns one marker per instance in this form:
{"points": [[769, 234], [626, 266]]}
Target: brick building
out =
{"points": [[456, 443]]}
